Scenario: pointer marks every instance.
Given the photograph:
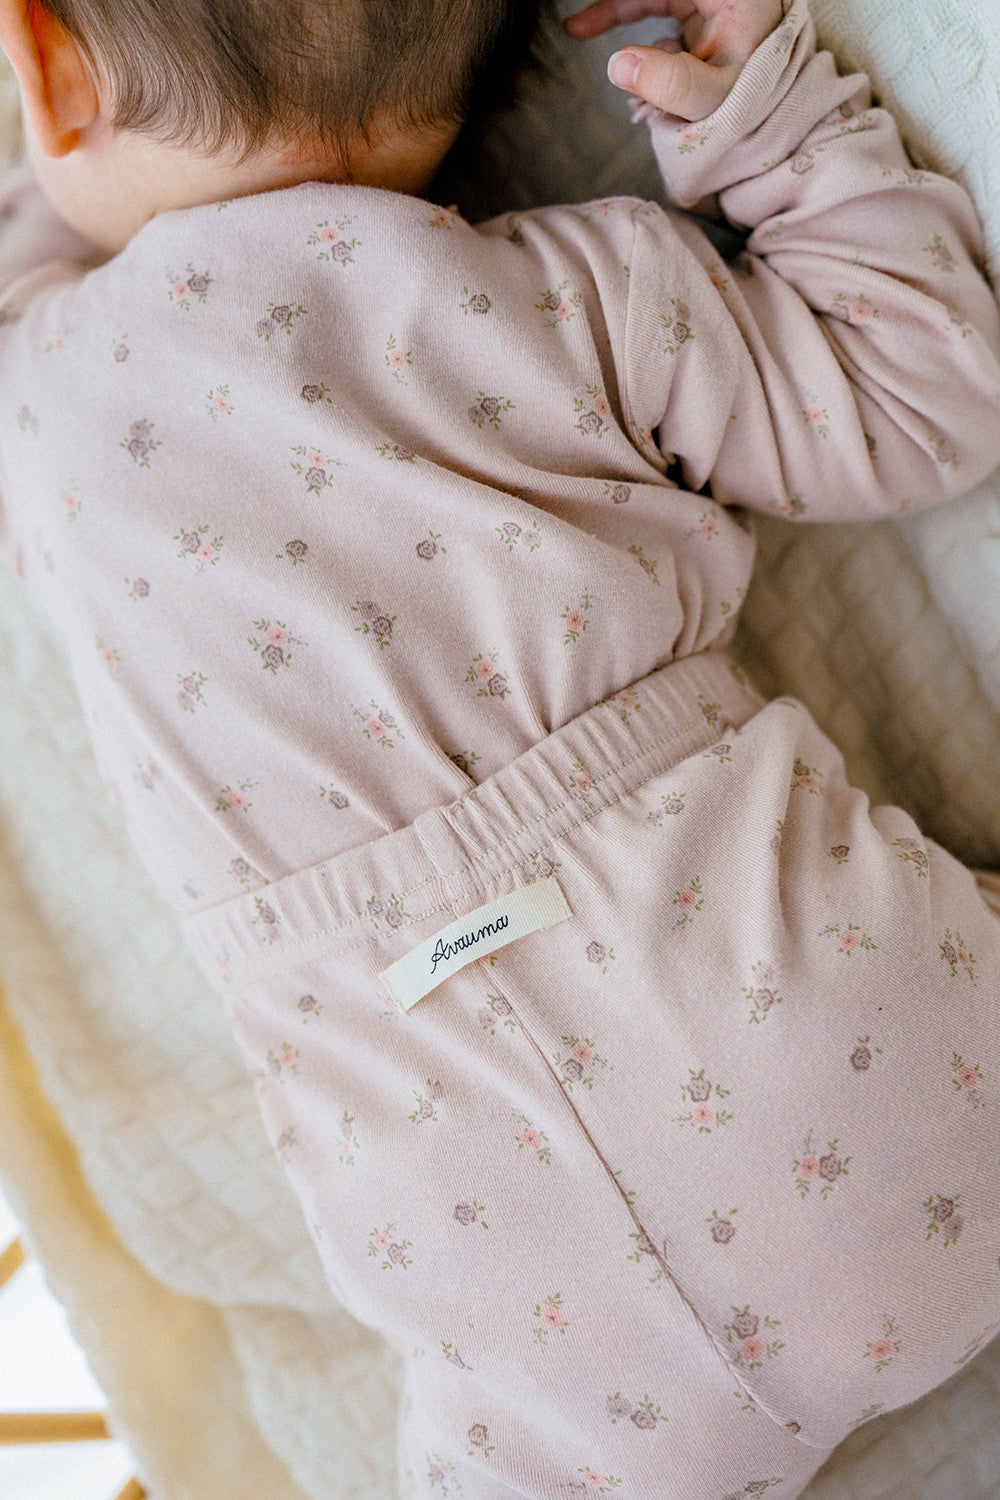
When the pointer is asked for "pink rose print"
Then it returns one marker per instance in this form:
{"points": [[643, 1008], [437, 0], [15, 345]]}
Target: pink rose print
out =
{"points": [[704, 1113], [194, 543], [557, 308], [139, 442], [850, 938], [312, 467], [828, 1169], [913, 853], [689, 901], [489, 409], [592, 409], [439, 1471], [581, 783], [378, 725], [966, 1077], [184, 288], [744, 1333], [489, 682], [550, 1318], [881, 1351], [397, 359], [806, 778], [535, 1140], [600, 1484], [334, 244], [691, 135], [71, 500], [576, 621], [598, 954], [234, 799], [576, 1068], [273, 649], [817, 417], [283, 1060], [976, 1343], [762, 993], [383, 1242], [108, 655], [956, 954], [218, 402], [442, 219]]}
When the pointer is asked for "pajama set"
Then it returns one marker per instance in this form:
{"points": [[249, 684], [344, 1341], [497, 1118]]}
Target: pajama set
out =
{"points": [[637, 1079]]}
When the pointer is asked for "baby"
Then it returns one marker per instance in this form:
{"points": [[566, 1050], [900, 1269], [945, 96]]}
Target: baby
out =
{"points": [[607, 1034]]}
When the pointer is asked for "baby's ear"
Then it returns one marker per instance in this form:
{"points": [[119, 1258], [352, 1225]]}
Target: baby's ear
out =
{"points": [[58, 90]]}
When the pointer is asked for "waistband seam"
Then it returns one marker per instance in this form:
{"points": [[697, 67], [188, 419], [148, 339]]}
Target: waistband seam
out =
{"points": [[281, 951]]}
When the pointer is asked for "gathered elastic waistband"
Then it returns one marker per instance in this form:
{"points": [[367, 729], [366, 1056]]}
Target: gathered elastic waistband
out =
{"points": [[452, 857]]}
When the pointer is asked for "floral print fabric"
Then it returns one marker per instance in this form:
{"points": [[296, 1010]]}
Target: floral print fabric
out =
{"points": [[667, 1199]]}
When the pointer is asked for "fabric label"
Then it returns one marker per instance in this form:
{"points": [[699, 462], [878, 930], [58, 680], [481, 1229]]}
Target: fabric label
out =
{"points": [[483, 931]]}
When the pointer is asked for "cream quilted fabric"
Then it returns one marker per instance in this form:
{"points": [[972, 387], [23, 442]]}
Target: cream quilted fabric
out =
{"points": [[179, 1250]]}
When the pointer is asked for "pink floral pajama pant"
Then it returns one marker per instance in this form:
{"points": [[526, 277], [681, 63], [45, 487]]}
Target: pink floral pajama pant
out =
{"points": [[666, 1199]]}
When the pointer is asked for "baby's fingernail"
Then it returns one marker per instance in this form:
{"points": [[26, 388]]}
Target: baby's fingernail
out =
{"points": [[623, 69]]}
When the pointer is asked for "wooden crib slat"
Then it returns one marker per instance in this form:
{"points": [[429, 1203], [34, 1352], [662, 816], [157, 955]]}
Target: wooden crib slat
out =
{"points": [[11, 1260], [53, 1427]]}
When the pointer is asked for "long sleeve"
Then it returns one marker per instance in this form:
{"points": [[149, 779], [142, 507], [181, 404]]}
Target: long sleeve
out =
{"points": [[853, 366]]}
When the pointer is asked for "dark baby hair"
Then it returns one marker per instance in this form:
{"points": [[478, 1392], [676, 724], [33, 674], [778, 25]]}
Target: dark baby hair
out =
{"points": [[220, 74]]}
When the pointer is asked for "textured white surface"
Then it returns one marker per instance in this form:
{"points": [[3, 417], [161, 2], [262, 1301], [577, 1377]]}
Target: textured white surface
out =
{"points": [[890, 633]]}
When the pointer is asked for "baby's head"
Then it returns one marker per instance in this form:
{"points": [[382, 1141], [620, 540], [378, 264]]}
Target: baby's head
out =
{"points": [[274, 90]]}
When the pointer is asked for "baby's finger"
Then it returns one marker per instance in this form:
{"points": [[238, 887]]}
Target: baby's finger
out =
{"points": [[604, 15], [675, 82]]}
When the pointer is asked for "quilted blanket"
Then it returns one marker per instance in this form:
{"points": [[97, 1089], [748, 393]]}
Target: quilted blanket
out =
{"points": [[129, 1138]]}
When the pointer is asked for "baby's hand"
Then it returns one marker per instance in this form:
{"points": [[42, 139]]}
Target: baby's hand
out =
{"points": [[688, 79]]}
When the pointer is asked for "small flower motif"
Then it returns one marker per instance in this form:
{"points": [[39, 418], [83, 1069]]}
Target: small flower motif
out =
{"points": [[676, 325], [966, 1077], [691, 136], [940, 254], [71, 501], [139, 442], [190, 695], [451, 1354], [577, 620], [108, 656], [296, 551], [267, 919], [550, 1317], [281, 318], [193, 284], [378, 725], [745, 1332], [943, 1218], [444, 218], [592, 409], [581, 783], [470, 1213], [234, 799], [335, 797], [802, 163], [541, 868], [512, 535], [647, 564], [598, 954], [489, 409], [850, 939], [704, 1114], [914, 854], [120, 350], [243, 872], [861, 1057], [762, 993], [534, 1140], [391, 913], [397, 359], [883, 1350], [489, 682], [690, 900], [382, 1242], [374, 621], [272, 648], [840, 852], [335, 246], [597, 1483], [312, 465], [817, 417], [430, 546], [723, 1230], [955, 953], [139, 589], [498, 1011], [671, 806], [477, 303], [576, 1067], [618, 494], [559, 306], [807, 778], [218, 402], [397, 452], [976, 1343], [194, 543], [810, 1168], [282, 1061]]}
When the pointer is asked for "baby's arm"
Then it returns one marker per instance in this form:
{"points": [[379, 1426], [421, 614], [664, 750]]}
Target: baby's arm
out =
{"points": [[849, 365]]}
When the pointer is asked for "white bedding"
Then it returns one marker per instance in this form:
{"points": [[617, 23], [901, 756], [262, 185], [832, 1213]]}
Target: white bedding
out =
{"points": [[179, 1250]]}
